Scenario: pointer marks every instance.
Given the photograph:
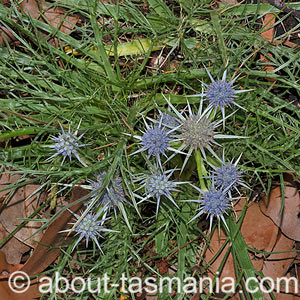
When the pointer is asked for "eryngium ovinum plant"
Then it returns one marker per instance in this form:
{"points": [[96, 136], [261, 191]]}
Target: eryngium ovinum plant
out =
{"points": [[176, 131], [186, 131]]}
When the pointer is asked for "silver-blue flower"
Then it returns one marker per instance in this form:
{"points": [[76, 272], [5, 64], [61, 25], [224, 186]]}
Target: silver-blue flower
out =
{"points": [[67, 144], [197, 131], [168, 120], [88, 228], [113, 195], [220, 93], [228, 176], [156, 139], [214, 202], [157, 185]]}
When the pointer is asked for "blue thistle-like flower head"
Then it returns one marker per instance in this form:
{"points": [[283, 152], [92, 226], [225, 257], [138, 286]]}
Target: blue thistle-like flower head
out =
{"points": [[158, 185], [156, 139], [67, 144], [197, 131], [214, 202], [113, 194], [168, 120], [89, 228], [227, 175], [220, 93]]}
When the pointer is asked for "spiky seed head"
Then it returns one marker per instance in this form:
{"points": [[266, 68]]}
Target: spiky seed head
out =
{"points": [[221, 93], [197, 132], [227, 175], [157, 139], [157, 185], [213, 202], [65, 144], [88, 227]]}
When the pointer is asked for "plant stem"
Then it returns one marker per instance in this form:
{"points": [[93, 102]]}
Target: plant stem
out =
{"points": [[201, 170]]}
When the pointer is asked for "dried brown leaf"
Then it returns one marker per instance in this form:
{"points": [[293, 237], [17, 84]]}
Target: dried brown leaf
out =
{"points": [[6, 36], [268, 22], [44, 11], [5, 291], [30, 7], [216, 242], [48, 248], [56, 17], [162, 266], [196, 296], [13, 249], [277, 264], [42, 256], [6, 267], [19, 207], [289, 221], [258, 231]]}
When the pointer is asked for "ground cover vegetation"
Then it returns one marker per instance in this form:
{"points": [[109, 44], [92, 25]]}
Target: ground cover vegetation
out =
{"points": [[169, 114]]}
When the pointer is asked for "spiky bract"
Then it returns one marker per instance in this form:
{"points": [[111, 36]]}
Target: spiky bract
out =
{"points": [[220, 93], [228, 175], [159, 185], [168, 120], [197, 131], [156, 140], [214, 203]]}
